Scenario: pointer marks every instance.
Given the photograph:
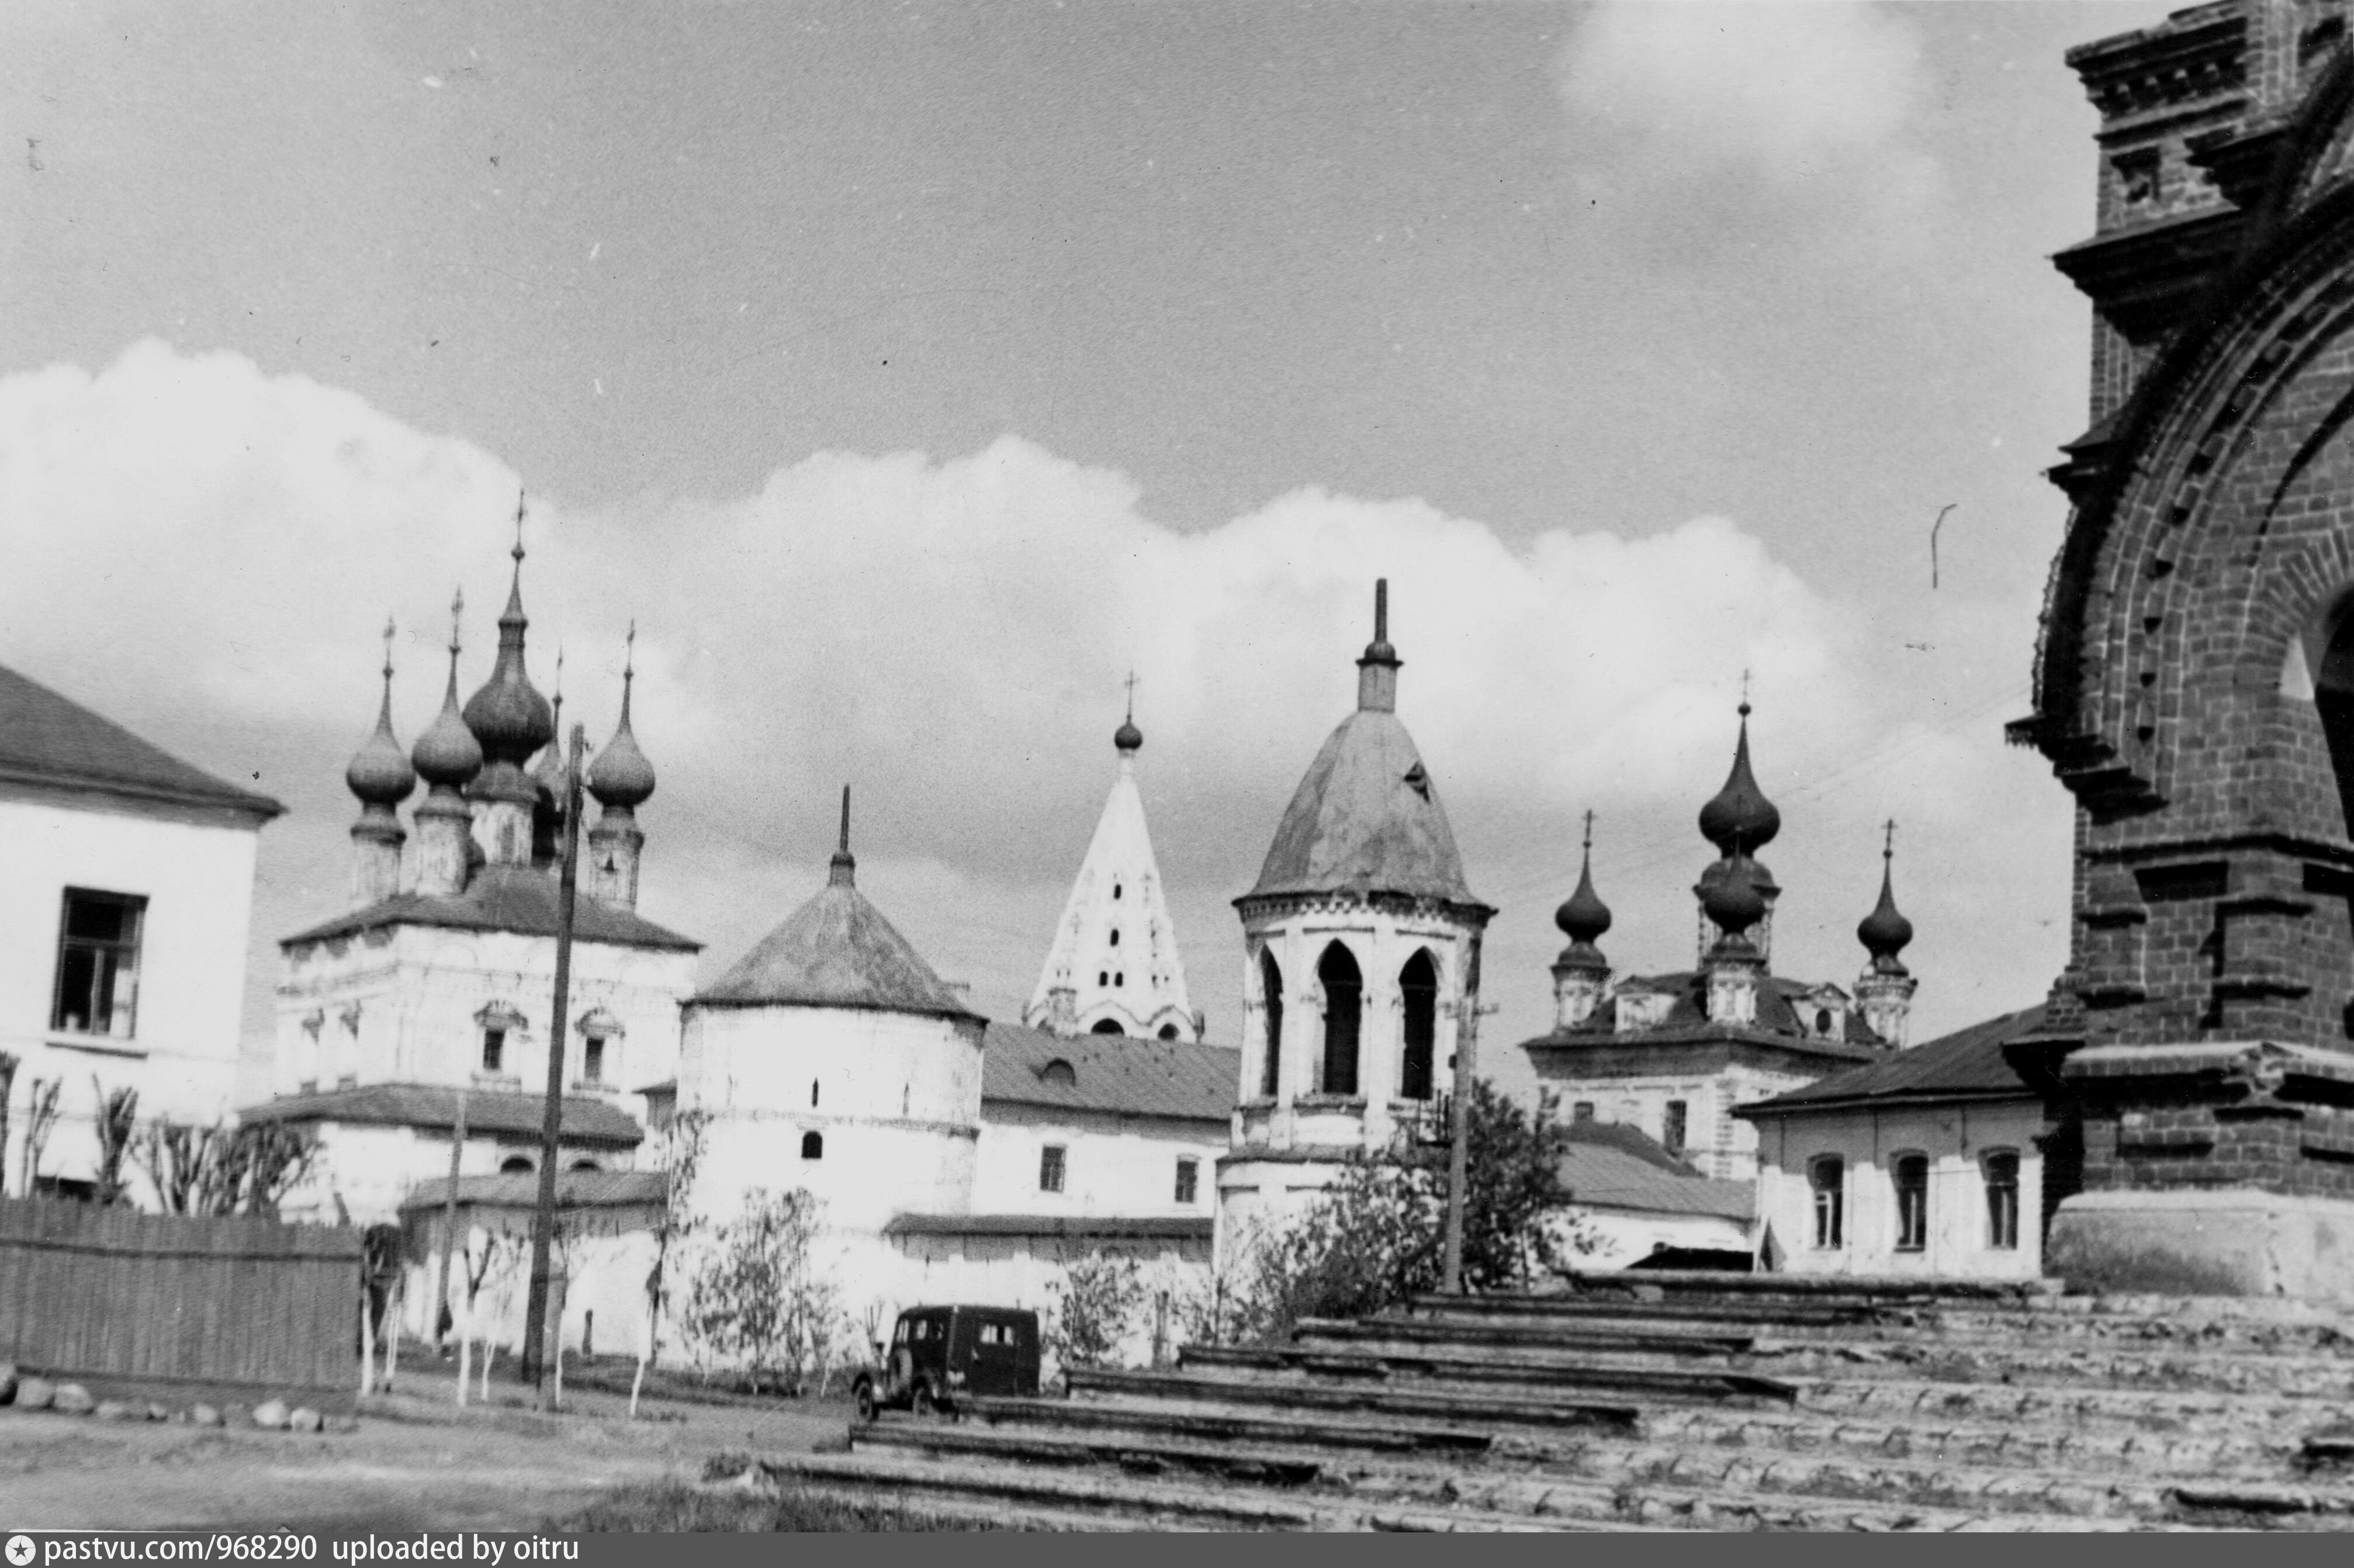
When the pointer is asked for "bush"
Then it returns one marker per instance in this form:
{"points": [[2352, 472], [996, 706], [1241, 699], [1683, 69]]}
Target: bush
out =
{"points": [[1094, 1309], [758, 1301]]}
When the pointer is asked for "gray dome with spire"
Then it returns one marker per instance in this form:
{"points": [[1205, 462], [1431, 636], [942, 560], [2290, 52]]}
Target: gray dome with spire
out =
{"points": [[621, 779], [381, 774], [1739, 820]]}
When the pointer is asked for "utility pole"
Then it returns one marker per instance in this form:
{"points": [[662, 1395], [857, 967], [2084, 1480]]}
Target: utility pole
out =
{"points": [[1458, 1149], [551, 1122]]}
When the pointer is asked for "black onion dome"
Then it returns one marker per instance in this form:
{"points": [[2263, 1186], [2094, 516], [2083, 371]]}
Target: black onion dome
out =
{"points": [[1740, 820], [1128, 737], [621, 778], [508, 716], [448, 753], [1583, 918], [1733, 901], [380, 774], [1885, 932]]}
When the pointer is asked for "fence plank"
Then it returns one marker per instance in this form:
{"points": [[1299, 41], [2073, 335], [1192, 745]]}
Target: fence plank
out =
{"points": [[113, 1292]]}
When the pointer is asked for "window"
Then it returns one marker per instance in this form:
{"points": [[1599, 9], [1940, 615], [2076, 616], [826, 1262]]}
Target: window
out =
{"points": [[1115, 890], [514, 1165], [98, 963], [1115, 936], [1912, 1201], [1582, 1111], [494, 1049], [1050, 1168], [1270, 991], [1828, 1177], [1189, 1177], [2001, 1167], [1419, 984], [1060, 1071], [592, 1059], [584, 1165], [1103, 977], [1344, 995], [1822, 1021], [812, 1146], [1671, 1128], [2138, 175], [1168, 1032], [813, 1094], [1105, 1026]]}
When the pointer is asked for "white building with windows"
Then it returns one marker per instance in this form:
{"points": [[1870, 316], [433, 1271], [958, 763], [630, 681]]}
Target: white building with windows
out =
{"points": [[1929, 1163], [1361, 944], [425, 1004], [126, 895]]}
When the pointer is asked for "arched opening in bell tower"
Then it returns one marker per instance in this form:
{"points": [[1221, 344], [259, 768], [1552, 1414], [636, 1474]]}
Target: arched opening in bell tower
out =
{"points": [[1419, 986], [1344, 1005], [1270, 989], [2333, 698]]}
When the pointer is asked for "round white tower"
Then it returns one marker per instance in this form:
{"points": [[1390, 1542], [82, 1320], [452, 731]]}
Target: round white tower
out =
{"points": [[1361, 962]]}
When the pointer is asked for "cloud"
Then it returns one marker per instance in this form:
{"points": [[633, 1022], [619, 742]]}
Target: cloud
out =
{"points": [[207, 548], [1757, 114]]}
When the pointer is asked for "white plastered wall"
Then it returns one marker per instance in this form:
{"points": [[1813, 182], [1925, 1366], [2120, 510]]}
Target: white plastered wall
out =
{"points": [[1112, 1164]]}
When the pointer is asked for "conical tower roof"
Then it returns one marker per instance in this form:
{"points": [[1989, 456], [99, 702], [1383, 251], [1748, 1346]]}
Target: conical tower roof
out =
{"points": [[1115, 948], [1366, 818], [837, 950]]}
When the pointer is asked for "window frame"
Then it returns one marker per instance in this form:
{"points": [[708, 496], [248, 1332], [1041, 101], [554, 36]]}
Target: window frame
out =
{"points": [[1912, 1223], [1828, 1196], [812, 1144], [1997, 1240], [133, 908], [1054, 1166], [1675, 1127], [1189, 1180]]}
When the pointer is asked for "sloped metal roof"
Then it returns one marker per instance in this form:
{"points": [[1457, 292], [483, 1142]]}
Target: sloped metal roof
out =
{"points": [[46, 738], [1366, 819], [1109, 1072], [435, 1105], [1088, 1227], [574, 1190], [1614, 1166], [1687, 1022], [515, 898], [837, 950], [1966, 1064]]}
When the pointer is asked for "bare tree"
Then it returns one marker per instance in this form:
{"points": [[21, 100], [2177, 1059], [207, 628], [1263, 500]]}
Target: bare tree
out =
{"points": [[7, 1084], [681, 1155], [118, 1116], [222, 1171], [40, 1120]]}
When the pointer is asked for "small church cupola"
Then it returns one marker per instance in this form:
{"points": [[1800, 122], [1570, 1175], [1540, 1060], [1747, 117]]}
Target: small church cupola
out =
{"points": [[1734, 966], [381, 776], [1581, 974], [621, 779], [448, 758], [1739, 820], [1377, 668], [1884, 991], [1127, 740], [512, 721]]}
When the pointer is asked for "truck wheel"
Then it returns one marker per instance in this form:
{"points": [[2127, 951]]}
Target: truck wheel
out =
{"points": [[924, 1405], [864, 1394]]}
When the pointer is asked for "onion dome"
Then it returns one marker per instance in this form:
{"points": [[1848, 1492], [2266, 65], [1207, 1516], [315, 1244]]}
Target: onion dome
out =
{"points": [[1128, 738], [1885, 932], [1583, 918], [508, 716], [1740, 821], [447, 754], [1733, 901], [380, 775], [621, 779]]}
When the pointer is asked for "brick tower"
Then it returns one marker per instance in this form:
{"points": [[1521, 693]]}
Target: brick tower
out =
{"points": [[2194, 687]]}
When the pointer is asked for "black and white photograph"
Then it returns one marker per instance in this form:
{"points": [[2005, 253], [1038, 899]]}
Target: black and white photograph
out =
{"points": [[874, 766]]}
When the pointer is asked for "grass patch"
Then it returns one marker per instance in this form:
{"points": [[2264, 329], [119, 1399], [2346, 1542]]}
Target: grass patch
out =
{"points": [[673, 1505]]}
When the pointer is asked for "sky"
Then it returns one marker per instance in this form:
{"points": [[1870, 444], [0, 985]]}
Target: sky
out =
{"points": [[910, 375]]}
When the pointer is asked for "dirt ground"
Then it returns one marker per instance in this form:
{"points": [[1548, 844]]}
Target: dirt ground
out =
{"points": [[416, 1462]]}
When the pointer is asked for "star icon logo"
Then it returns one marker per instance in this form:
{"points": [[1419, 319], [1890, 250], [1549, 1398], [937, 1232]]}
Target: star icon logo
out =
{"points": [[20, 1550]]}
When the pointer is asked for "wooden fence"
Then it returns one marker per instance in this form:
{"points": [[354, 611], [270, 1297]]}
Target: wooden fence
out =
{"points": [[115, 1294]]}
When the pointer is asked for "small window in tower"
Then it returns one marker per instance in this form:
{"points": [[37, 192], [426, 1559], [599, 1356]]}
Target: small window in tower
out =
{"points": [[2137, 173], [1115, 936], [1115, 890], [1103, 977], [1119, 980], [494, 1049], [813, 1094], [812, 1146], [1189, 1180], [1050, 1168]]}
